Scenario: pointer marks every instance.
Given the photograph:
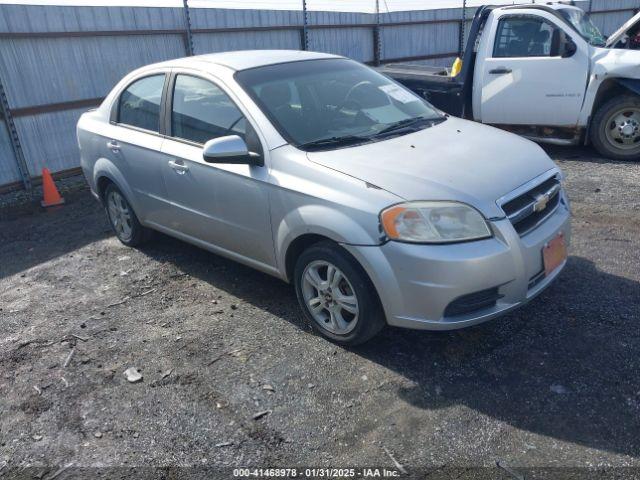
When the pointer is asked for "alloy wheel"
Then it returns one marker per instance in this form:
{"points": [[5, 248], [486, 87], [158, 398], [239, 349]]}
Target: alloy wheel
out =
{"points": [[329, 297], [120, 215]]}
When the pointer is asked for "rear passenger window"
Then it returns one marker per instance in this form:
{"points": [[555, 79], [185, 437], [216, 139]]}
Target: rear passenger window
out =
{"points": [[523, 37], [139, 104], [201, 111]]}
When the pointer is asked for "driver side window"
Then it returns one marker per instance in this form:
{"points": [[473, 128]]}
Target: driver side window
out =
{"points": [[201, 111], [523, 36]]}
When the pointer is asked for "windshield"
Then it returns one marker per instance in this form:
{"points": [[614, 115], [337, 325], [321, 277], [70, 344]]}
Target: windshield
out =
{"points": [[581, 21], [334, 102]]}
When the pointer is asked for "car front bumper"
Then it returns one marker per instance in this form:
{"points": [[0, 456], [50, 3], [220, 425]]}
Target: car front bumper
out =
{"points": [[416, 283]]}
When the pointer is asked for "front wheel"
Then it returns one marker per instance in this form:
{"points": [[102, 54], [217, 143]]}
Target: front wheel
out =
{"points": [[336, 295], [615, 131]]}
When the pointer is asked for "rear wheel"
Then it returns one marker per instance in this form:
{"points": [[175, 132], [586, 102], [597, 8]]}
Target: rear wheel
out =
{"points": [[615, 131], [336, 295], [123, 219]]}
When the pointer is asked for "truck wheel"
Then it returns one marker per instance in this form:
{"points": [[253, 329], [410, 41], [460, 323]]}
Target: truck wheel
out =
{"points": [[123, 219], [615, 131], [336, 295]]}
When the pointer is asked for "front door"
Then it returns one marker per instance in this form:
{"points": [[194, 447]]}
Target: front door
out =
{"points": [[520, 78], [223, 205]]}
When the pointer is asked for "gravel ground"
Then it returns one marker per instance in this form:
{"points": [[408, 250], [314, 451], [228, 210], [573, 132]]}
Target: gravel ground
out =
{"points": [[19, 201], [548, 392]]}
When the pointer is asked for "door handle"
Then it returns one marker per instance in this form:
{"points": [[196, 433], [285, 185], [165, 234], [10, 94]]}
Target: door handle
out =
{"points": [[500, 71], [180, 168], [113, 146]]}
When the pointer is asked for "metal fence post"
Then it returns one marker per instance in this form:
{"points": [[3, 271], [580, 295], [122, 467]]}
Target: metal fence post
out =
{"points": [[14, 139], [377, 38], [463, 27], [590, 6], [304, 40], [188, 39]]}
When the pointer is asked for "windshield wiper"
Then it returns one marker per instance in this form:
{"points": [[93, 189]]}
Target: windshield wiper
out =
{"points": [[408, 123], [347, 140], [334, 141]]}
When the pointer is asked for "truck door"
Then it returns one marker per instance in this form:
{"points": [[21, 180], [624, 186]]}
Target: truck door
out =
{"points": [[521, 77]]}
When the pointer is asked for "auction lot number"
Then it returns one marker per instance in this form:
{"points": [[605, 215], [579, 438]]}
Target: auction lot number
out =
{"points": [[315, 472]]}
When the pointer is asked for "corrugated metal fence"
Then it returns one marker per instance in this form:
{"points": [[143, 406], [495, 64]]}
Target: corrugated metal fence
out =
{"points": [[57, 61]]}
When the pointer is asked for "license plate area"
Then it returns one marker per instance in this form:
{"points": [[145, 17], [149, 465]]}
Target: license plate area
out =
{"points": [[554, 253]]}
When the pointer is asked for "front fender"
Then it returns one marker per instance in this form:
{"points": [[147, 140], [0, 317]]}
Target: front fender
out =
{"points": [[321, 220], [610, 65], [600, 86]]}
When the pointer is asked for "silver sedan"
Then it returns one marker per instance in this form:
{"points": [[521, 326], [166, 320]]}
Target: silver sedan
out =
{"points": [[315, 169]]}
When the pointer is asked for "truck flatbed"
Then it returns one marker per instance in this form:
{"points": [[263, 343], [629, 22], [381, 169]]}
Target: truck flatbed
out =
{"points": [[418, 72]]}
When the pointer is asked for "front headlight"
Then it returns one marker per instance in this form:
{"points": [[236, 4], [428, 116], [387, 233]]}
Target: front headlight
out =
{"points": [[433, 222]]}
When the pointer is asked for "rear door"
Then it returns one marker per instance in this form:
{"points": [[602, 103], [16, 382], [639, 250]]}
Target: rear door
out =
{"points": [[223, 205], [520, 79], [133, 144]]}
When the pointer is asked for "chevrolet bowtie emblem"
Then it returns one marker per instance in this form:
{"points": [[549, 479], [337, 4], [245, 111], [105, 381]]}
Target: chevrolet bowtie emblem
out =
{"points": [[541, 202]]}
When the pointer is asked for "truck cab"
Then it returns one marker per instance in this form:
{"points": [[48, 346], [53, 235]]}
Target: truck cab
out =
{"points": [[545, 72]]}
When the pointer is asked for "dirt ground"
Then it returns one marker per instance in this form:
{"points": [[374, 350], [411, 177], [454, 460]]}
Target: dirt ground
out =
{"points": [[549, 391]]}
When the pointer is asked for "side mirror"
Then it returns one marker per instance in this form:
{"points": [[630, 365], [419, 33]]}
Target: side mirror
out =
{"points": [[570, 48], [562, 45], [230, 149]]}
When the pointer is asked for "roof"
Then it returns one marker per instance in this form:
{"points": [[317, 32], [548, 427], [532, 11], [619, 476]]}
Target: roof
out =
{"points": [[245, 59], [361, 6], [559, 5]]}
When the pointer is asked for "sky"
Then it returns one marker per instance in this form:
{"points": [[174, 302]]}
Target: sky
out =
{"points": [[367, 6]]}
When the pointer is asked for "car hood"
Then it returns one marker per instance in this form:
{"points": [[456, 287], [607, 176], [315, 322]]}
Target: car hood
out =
{"points": [[616, 36], [454, 160], [616, 63]]}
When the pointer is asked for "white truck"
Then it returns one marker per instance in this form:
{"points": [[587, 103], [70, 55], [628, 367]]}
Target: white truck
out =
{"points": [[545, 72]]}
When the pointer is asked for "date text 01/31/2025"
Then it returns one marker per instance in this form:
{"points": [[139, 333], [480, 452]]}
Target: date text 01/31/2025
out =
{"points": [[316, 473]]}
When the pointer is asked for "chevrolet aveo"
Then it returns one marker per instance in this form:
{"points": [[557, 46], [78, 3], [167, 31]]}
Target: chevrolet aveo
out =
{"points": [[314, 168]]}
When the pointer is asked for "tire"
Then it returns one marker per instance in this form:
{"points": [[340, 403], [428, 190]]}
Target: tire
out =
{"points": [[123, 219], [615, 129], [351, 291]]}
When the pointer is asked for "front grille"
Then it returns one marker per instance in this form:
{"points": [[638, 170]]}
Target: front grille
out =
{"points": [[527, 211], [473, 302]]}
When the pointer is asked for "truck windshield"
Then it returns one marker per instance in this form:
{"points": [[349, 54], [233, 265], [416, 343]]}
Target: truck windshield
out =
{"points": [[328, 103], [581, 21]]}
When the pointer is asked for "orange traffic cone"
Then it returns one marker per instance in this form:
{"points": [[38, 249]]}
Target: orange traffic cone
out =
{"points": [[49, 190]]}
